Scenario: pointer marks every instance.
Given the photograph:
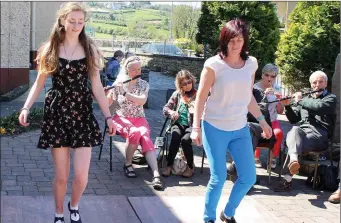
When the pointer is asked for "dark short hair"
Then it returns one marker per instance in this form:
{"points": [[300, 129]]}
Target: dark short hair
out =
{"points": [[118, 53], [232, 29]]}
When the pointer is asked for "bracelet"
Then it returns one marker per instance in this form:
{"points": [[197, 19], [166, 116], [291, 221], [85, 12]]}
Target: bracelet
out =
{"points": [[196, 128], [27, 109], [107, 118], [260, 118]]}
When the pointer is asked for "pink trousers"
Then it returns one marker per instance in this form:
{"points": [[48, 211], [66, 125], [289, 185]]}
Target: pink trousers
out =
{"points": [[135, 131]]}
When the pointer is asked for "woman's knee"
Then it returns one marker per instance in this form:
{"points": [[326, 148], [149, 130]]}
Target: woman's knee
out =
{"points": [[278, 134], [218, 179], [81, 179], [134, 137], [61, 180], [176, 137], [186, 142], [248, 178]]}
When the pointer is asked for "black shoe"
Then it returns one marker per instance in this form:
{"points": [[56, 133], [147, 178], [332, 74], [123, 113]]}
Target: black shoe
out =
{"points": [[283, 186], [75, 214], [59, 220], [224, 219], [157, 183], [231, 169]]}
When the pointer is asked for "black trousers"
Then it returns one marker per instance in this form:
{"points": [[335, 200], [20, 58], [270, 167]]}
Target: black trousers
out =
{"points": [[180, 135]]}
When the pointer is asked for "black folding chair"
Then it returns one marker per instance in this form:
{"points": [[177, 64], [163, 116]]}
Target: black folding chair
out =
{"points": [[110, 146]]}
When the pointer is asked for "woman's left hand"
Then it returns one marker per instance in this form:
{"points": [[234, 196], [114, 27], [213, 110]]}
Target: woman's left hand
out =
{"points": [[267, 130], [119, 86], [111, 127]]}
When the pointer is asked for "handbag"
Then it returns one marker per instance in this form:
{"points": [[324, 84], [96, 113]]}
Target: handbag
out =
{"points": [[179, 165]]}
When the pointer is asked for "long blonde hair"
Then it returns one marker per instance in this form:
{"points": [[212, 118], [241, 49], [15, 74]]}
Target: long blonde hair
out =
{"points": [[48, 54]]}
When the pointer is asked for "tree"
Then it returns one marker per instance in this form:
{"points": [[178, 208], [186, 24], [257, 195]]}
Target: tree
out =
{"points": [[137, 29], [264, 33], [185, 21], [311, 43]]}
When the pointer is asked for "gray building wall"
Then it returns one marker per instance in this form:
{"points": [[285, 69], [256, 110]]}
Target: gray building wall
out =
{"points": [[43, 16], [15, 45]]}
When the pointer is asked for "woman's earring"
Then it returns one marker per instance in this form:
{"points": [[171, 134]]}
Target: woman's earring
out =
{"points": [[61, 28]]}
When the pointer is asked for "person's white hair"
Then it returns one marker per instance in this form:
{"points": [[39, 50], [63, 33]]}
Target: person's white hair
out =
{"points": [[318, 73], [123, 74]]}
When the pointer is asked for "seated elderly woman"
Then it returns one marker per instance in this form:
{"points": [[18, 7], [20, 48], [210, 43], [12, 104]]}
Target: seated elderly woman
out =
{"points": [[180, 109], [130, 118], [272, 91]]}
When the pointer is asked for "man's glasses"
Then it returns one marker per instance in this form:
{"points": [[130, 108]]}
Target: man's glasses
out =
{"points": [[268, 75], [185, 83]]}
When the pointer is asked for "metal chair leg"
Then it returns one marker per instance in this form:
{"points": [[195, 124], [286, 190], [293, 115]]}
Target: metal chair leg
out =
{"points": [[315, 171], [110, 153], [280, 163], [331, 156], [202, 161], [269, 165], [284, 164], [100, 151]]}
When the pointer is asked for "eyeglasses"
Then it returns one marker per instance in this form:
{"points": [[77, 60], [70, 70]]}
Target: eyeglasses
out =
{"points": [[185, 83], [268, 75]]}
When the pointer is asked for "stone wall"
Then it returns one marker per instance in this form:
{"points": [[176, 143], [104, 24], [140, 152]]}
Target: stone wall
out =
{"points": [[172, 64]]}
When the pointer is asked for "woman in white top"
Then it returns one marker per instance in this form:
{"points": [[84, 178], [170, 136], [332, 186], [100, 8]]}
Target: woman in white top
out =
{"points": [[229, 78], [273, 92]]}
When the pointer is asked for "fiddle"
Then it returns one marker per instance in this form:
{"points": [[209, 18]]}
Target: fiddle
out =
{"points": [[188, 98]]}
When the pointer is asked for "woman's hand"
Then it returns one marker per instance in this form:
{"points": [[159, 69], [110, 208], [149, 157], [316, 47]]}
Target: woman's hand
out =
{"points": [[298, 96], [196, 136], [174, 115], [111, 127], [269, 91], [267, 130], [119, 86], [23, 118], [107, 91]]}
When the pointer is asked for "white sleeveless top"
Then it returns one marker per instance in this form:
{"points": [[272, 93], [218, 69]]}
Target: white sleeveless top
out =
{"points": [[226, 107]]}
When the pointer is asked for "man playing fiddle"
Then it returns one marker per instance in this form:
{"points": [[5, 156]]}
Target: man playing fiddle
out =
{"points": [[315, 116]]}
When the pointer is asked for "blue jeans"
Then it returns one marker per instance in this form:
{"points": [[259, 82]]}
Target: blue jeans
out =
{"points": [[216, 143]]}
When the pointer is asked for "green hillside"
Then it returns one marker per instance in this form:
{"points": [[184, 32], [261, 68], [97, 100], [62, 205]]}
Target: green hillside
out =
{"points": [[134, 23]]}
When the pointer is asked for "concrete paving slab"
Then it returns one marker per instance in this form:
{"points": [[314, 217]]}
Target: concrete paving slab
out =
{"points": [[40, 209], [185, 209]]}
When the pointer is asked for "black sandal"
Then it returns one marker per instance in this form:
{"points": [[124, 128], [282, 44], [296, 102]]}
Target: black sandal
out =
{"points": [[129, 173], [157, 183]]}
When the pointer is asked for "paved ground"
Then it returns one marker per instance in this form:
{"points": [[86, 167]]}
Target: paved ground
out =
{"points": [[28, 171]]}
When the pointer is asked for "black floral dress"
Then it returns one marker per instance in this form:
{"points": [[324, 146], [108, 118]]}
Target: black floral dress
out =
{"points": [[68, 115]]}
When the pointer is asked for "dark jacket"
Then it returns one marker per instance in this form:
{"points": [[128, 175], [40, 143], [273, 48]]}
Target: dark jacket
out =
{"points": [[318, 112]]}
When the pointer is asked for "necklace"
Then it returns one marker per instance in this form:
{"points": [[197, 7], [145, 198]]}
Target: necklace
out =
{"points": [[68, 61]]}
